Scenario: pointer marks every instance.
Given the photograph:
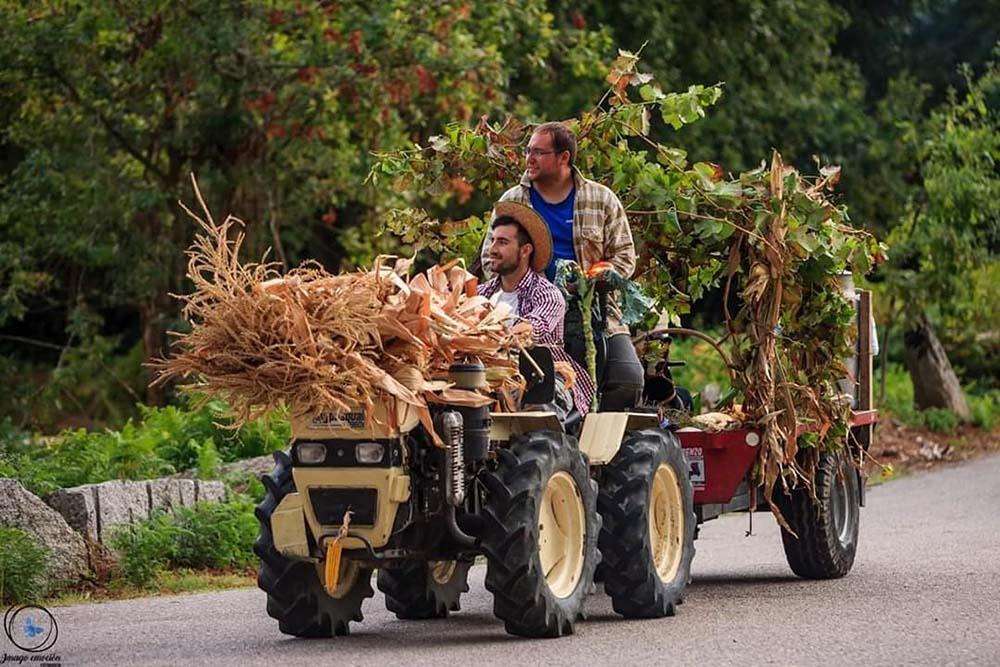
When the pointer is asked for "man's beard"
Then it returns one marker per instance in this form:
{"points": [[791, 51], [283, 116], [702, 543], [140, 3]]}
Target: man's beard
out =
{"points": [[503, 268]]}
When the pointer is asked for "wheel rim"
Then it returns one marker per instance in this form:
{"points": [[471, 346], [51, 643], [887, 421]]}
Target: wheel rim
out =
{"points": [[843, 510], [349, 570], [442, 570], [561, 529], [666, 523]]}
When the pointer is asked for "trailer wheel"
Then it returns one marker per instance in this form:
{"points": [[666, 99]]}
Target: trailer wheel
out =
{"points": [[647, 542], [417, 590], [540, 534], [827, 528], [296, 596]]}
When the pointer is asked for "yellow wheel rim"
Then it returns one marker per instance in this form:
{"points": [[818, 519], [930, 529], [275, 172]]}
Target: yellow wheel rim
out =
{"points": [[442, 570], [348, 575], [666, 523], [561, 529]]}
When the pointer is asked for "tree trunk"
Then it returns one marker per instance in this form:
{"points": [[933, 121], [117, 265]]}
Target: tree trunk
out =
{"points": [[935, 384], [153, 335]]}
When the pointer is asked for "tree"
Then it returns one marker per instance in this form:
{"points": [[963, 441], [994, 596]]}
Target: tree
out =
{"points": [[276, 107], [950, 232]]}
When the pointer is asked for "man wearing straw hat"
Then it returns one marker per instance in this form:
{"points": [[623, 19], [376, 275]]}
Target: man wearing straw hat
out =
{"points": [[520, 249], [588, 225]]}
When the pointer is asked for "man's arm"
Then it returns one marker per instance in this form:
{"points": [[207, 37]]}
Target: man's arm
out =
{"points": [[619, 248], [546, 314]]}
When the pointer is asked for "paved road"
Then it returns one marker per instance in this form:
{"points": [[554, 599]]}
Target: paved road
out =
{"points": [[925, 589]]}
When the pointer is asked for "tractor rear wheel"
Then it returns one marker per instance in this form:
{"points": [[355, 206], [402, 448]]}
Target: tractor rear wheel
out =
{"points": [[540, 534], [296, 596], [647, 541], [827, 527], [418, 589]]}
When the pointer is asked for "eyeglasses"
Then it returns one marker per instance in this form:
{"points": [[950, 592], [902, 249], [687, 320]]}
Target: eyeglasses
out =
{"points": [[536, 152]]}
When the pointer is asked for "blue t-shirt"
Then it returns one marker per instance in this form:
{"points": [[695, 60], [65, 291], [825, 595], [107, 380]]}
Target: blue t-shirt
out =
{"points": [[559, 218]]}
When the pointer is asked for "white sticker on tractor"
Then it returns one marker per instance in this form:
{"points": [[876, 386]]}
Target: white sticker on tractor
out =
{"points": [[696, 467]]}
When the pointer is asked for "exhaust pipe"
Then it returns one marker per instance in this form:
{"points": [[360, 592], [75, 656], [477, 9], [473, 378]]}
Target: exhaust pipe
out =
{"points": [[454, 475]]}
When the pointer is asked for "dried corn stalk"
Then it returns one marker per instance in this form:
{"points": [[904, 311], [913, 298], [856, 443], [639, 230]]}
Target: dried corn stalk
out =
{"points": [[320, 342]]}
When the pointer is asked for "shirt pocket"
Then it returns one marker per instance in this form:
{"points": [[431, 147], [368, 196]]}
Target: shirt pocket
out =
{"points": [[591, 241]]}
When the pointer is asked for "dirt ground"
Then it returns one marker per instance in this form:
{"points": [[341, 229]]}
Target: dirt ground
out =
{"points": [[907, 449]]}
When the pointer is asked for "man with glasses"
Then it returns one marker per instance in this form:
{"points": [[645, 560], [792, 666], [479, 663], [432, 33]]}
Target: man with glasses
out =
{"points": [[588, 225]]}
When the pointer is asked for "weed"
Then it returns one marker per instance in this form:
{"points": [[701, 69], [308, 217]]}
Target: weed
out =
{"points": [[940, 420], [23, 567], [206, 536]]}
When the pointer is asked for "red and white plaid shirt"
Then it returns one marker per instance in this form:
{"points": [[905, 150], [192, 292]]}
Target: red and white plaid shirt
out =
{"points": [[540, 303]]}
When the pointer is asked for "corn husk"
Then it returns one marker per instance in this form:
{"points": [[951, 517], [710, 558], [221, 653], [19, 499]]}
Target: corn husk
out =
{"points": [[320, 342]]}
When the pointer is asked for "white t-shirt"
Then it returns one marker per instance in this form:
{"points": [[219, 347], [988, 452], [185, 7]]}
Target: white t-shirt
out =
{"points": [[509, 298]]}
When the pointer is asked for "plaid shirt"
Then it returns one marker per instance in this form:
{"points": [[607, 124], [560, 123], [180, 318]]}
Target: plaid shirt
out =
{"points": [[600, 232], [541, 304]]}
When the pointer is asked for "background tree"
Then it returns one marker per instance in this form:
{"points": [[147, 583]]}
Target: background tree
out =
{"points": [[109, 106]]}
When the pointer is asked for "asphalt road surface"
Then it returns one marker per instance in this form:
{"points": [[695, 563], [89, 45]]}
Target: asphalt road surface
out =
{"points": [[925, 589]]}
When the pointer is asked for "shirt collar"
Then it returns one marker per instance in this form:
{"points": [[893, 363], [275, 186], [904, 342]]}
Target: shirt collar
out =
{"points": [[578, 178], [529, 279]]}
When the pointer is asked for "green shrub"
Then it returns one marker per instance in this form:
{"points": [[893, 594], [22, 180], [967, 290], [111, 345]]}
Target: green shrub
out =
{"points": [[206, 536], [166, 440], [985, 409], [145, 548], [208, 460], [704, 366], [940, 420], [23, 567], [216, 535]]}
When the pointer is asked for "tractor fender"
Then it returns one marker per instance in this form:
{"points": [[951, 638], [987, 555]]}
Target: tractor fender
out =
{"points": [[603, 432]]}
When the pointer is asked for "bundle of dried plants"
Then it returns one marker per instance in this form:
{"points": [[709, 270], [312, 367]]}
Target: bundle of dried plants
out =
{"points": [[320, 342]]}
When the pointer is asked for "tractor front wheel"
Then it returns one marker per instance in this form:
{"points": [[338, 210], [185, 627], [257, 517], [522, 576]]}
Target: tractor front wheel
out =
{"points": [[296, 596], [540, 535], [647, 542]]}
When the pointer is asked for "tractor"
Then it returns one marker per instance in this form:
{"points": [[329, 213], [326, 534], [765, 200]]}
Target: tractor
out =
{"points": [[552, 503]]}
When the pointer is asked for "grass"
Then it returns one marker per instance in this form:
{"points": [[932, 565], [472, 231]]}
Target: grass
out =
{"points": [[984, 404], [175, 582]]}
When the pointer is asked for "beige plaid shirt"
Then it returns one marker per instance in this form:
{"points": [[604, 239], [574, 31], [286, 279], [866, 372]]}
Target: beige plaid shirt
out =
{"points": [[600, 232]]}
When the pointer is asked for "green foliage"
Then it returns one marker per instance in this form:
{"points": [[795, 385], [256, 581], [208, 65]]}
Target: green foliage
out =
{"points": [[940, 420], [206, 536], [703, 365], [985, 409], [772, 235], [952, 227], [23, 567], [167, 440], [108, 107], [784, 86]]}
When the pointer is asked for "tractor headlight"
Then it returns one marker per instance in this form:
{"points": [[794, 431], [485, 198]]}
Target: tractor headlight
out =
{"points": [[369, 452], [311, 452]]}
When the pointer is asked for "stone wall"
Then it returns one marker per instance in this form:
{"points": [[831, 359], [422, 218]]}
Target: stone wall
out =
{"points": [[95, 509]]}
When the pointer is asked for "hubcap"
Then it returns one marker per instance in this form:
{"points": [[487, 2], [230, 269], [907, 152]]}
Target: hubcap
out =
{"points": [[842, 507], [666, 523], [561, 529], [442, 570]]}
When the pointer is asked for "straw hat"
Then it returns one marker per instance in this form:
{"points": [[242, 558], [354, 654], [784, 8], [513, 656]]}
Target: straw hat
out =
{"points": [[536, 228]]}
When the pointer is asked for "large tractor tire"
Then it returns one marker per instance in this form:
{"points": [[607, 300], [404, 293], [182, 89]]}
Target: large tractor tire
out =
{"points": [[540, 534], [296, 596], [417, 590], [827, 527], [647, 541]]}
